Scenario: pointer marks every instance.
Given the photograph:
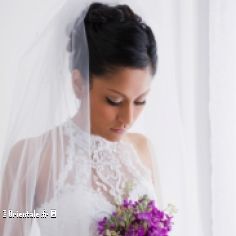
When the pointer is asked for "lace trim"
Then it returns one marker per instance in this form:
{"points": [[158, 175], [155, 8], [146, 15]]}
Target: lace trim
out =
{"points": [[110, 168]]}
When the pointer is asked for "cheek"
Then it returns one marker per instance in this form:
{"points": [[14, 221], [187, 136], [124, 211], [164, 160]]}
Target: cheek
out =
{"points": [[101, 112], [138, 112]]}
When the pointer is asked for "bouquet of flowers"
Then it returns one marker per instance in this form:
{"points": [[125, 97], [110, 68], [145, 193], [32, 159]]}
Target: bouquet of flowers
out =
{"points": [[137, 218]]}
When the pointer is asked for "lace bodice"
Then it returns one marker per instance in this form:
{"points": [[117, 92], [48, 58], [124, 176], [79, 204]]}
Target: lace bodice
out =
{"points": [[96, 175]]}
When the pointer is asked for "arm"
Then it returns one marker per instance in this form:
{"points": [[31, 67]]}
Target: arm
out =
{"points": [[146, 153], [13, 192]]}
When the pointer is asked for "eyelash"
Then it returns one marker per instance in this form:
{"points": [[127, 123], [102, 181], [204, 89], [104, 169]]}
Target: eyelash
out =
{"points": [[118, 103]]}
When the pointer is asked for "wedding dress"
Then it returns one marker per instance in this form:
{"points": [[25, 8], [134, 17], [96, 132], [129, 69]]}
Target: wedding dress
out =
{"points": [[83, 175], [86, 191]]}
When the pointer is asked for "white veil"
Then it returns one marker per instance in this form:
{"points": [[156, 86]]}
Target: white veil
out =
{"points": [[44, 100]]}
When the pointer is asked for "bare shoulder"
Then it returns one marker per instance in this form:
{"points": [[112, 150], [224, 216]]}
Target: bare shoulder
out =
{"points": [[142, 144], [18, 159], [24, 148], [31, 156], [14, 157], [30, 145], [24, 152], [137, 139]]}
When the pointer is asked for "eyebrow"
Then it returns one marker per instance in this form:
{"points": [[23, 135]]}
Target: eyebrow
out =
{"points": [[123, 95]]}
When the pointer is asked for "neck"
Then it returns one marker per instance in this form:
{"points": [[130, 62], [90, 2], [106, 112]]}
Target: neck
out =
{"points": [[82, 118]]}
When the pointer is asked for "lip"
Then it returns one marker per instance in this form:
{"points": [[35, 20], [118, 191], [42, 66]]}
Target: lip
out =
{"points": [[118, 130]]}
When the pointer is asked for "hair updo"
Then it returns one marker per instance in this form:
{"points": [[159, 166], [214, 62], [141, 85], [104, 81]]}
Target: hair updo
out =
{"points": [[117, 37]]}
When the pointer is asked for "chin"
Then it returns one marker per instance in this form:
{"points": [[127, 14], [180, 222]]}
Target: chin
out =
{"points": [[112, 137]]}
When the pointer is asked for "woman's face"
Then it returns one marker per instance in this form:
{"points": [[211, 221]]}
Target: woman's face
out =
{"points": [[116, 101]]}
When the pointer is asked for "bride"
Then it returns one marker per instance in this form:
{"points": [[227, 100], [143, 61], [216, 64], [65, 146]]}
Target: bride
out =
{"points": [[70, 156]]}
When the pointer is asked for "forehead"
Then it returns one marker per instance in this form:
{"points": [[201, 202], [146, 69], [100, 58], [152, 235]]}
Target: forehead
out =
{"points": [[126, 80]]}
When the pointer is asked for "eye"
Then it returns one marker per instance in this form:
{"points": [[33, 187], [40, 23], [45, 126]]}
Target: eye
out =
{"points": [[140, 103], [113, 102]]}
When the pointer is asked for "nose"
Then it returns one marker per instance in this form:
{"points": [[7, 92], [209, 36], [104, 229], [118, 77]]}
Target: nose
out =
{"points": [[126, 115]]}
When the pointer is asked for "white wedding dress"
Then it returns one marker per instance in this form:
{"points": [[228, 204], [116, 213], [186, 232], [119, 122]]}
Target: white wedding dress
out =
{"points": [[97, 183]]}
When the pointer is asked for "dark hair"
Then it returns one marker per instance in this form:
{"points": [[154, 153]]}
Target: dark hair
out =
{"points": [[117, 37]]}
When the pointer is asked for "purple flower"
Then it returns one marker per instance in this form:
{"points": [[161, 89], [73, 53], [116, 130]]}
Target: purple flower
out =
{"points": [[136, 218]]}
